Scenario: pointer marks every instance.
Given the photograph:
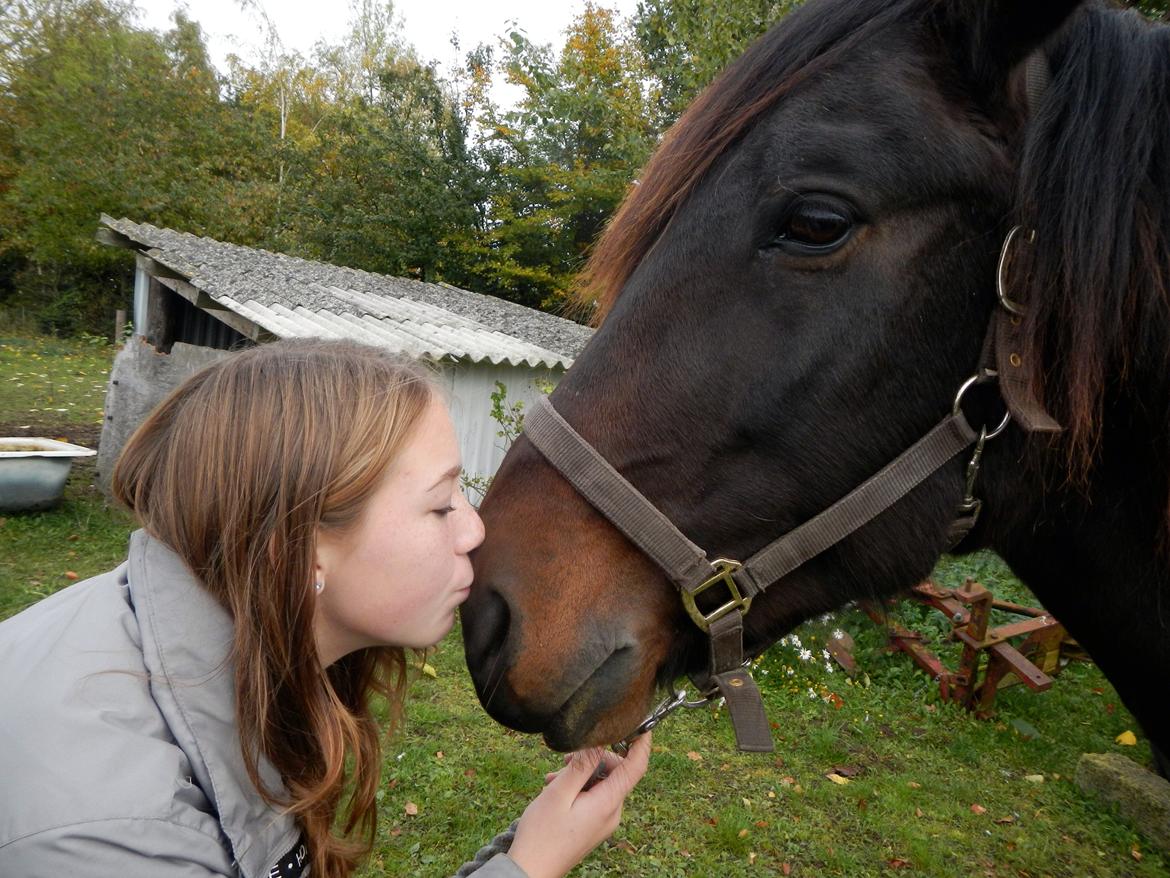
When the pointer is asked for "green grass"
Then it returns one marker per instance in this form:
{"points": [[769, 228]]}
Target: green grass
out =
{"points": [[53, 381], [55, 388], [916, 765]]}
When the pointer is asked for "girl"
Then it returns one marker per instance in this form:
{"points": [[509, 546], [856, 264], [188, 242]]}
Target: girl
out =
{"points": [[204, 708]]}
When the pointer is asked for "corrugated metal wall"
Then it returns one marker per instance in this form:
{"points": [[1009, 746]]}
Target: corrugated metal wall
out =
{"points": [[471, 386]]}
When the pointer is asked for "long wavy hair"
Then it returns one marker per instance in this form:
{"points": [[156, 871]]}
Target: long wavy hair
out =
{"points": [[237, 471]]}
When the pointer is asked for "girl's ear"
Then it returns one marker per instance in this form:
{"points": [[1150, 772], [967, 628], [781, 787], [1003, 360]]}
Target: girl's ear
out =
{"points": [[991, 39]]}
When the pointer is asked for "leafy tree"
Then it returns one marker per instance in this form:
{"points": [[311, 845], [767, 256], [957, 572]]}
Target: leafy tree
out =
{"points": [[385, 186], [687, 43], [559, 163], [99, 115]]}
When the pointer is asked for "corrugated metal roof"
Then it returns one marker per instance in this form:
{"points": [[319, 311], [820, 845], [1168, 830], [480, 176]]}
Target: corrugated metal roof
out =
{"points": [[291, 297]]}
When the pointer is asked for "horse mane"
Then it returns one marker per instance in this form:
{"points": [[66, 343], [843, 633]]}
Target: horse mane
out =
{"points": [[1094, 183], [723, 112]]}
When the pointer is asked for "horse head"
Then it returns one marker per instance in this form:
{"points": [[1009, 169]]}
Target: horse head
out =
{"points": [[791, 296]]}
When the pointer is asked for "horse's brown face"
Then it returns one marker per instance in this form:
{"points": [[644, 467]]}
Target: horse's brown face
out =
{"points": [[806, 316], [583, 673]]}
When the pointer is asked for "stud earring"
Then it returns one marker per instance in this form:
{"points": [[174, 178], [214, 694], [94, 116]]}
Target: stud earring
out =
{"points": [[319, 586]]}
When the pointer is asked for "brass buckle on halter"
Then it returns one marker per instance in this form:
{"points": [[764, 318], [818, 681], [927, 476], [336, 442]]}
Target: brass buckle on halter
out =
{"points": [[723, 568]]}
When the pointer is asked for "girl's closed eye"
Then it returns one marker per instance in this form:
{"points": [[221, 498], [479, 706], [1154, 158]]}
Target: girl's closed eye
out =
{"points": [[446, 510]]}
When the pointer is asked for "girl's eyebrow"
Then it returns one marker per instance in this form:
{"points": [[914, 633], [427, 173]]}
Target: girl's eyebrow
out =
{"points": [[447, 476]]}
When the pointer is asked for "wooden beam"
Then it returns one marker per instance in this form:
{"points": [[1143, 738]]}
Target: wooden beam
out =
{"points": [[157, 269]]}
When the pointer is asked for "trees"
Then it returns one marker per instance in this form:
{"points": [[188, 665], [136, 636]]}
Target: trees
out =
{"points": [[559, 163], [687, 43], [360, 155], [386, 184], [101, 116]]}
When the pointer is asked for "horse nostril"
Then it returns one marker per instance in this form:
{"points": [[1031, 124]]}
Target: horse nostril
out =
{"points": [[485, 618]]}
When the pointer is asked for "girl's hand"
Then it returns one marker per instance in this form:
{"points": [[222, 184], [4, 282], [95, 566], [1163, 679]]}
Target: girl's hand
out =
{"points": [[566, 821]]}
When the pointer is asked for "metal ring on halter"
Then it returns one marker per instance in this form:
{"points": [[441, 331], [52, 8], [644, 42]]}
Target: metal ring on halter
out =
{"points": [[668, 706], [1000, 288], [977, 378]]}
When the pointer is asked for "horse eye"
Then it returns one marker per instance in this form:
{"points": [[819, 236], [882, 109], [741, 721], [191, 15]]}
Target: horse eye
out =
{"points": [[814, 227]]}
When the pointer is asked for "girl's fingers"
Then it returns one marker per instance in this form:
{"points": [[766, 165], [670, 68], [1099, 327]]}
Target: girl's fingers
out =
{"points": [[628, 771], [578, 772]]}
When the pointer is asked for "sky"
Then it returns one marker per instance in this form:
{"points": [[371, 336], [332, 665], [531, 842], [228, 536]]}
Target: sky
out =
{"points": [[428, 23]]}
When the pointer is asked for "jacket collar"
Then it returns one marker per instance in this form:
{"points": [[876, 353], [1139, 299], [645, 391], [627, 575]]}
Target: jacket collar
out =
{"points": [[186, 643]]}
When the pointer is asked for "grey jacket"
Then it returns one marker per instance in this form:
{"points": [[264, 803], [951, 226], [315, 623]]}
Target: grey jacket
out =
{"points": [[119, 754]]}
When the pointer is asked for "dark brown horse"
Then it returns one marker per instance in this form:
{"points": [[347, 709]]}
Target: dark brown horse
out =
{"points": [[791, 297]]}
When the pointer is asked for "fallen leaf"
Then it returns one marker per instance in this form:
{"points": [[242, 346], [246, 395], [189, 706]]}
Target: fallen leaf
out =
{"points": [[429, 670], [713, 821], [69, 574], [798, 789], [625, 845], [914, 785], [396, 831], [1034, 778], [743, 833], [438, 754], [788, 781], [837, 779], [470, 772], [847, 770], [918, 812], [694, 757], [978, 809], [898, 863], [747, 803], [771, 794], [751, 857], [761, 824], [1126, 739], [411, 809], [1006, 821], [786, 868], [1136, 854]]}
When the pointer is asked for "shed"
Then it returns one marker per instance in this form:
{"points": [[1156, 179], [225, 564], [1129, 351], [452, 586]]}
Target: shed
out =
{"points": [[196, 298]]}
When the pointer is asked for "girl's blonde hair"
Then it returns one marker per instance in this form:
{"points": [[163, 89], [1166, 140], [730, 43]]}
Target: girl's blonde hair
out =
{"points": [[236, 471]]}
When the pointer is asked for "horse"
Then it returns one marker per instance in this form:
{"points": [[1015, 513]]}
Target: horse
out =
{"points": [[791, 295]]}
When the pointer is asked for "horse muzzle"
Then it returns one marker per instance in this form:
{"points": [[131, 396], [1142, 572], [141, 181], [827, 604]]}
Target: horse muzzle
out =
{"points": [[563, 630]]}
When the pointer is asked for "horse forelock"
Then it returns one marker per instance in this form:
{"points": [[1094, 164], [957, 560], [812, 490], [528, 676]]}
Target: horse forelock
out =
{"points": [[721, 115], [1094, 182]]}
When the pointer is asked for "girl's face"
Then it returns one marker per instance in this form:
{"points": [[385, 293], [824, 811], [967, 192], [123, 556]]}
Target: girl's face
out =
{"points": [[396, 579]]}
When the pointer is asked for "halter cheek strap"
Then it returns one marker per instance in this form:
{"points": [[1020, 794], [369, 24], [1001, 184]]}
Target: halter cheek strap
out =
{"points": [[734, 584]]}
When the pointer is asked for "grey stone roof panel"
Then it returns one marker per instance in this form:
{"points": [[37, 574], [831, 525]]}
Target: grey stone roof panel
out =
{"points": [[289, 296]]}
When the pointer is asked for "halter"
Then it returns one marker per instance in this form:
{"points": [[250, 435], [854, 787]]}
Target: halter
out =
{"points": [[729, 585]]}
